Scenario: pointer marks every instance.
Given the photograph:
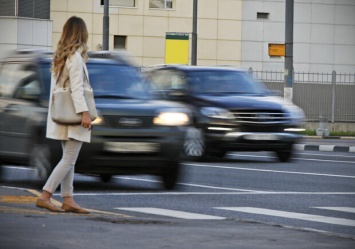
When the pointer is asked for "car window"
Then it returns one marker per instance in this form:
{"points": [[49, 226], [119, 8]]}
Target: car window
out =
{"points": [[27, 76], [223, 82], [167, 80], [116, 80], [10, 74]]}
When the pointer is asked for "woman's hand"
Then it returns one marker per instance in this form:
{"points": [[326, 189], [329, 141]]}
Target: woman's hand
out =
{"points": [[86, 120]]}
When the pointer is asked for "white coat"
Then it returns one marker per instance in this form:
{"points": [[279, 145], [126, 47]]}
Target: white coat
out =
{"points": [[74, 69]]}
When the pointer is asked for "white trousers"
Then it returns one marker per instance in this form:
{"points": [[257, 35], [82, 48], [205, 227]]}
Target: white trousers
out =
{"points": [[63, 173]]}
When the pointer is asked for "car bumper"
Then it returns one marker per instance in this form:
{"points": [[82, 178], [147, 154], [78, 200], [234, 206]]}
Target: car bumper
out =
{"points": [[131, 152], [253, 141]]}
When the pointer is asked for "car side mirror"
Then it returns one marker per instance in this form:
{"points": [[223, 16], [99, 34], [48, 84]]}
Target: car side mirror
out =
{"points": [[177, 94]]}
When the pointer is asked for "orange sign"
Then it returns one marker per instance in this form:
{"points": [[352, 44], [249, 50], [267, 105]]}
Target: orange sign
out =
{"points": [[277, 49]]}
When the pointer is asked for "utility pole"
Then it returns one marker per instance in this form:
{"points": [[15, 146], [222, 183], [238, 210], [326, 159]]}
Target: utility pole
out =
{"points": [[106, 26], [194, 34], [288, 78]]}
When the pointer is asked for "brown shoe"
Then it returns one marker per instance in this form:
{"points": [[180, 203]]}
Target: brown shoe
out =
{"points": [[72, 209], [48, 205]]}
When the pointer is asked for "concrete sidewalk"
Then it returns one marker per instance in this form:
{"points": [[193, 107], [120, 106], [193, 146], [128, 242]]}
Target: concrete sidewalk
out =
{"points": [[22, 225]]}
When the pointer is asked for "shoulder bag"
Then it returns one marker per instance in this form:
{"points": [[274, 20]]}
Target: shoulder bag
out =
{"points": [[62, 107]]}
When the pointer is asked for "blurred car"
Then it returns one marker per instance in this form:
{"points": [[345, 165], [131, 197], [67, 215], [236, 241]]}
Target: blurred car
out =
{"points": [[132, 135], [231, 111]]}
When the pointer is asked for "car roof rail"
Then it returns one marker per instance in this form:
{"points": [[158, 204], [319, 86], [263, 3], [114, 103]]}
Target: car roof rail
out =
{"points": [[118, 56], [158, 66], [29, 53]]}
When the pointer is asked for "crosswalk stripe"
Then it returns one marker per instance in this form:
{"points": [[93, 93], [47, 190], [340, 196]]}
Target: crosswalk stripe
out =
{"points": [[341, 209], [292, 215], [173, 213]]}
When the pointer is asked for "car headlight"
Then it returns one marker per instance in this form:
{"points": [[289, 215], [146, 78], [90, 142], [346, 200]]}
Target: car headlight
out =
{"points": [[172, 118], [99, 120], [216, 112]]}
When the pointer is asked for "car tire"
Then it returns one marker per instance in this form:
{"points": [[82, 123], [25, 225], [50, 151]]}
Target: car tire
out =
{"points": [[217, 153], [106, 177], [194, 144], [284, 156], [41, 159], [171, 175]]}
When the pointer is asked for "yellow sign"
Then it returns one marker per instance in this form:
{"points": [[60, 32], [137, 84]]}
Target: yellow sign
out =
{"points": [[177, 48], [277, 49]]}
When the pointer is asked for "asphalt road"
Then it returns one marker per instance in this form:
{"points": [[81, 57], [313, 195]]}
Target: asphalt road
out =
{"points": [[247, 200]]}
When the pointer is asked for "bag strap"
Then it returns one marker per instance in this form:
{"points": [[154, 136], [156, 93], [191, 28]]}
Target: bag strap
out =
{"points": [[60, 74]]}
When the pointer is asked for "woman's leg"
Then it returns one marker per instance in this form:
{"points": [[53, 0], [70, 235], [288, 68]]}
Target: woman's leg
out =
{"points": [[64, 171]]}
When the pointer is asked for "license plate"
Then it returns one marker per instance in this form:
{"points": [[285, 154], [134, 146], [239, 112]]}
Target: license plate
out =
{"points": [[261, 137], [131, 147]]}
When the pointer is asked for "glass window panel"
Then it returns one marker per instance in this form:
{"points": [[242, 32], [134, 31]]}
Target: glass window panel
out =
{"points": [[121, 3]]}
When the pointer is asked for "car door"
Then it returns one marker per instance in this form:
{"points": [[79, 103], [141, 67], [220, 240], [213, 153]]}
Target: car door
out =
{"points": [[19, 107], [167, 82]]}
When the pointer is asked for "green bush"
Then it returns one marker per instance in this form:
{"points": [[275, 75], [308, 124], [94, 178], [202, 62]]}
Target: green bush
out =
{"points": [[332, 133]]}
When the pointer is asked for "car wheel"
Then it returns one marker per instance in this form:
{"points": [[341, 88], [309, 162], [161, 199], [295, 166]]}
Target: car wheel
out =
{"points": [[41, 160], [194, 145], [106, 177], [217, 153], [171, 175], [284, 156]]}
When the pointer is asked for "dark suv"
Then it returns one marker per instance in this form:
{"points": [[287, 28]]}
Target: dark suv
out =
{"points": [[132, 135], [231, 111]]}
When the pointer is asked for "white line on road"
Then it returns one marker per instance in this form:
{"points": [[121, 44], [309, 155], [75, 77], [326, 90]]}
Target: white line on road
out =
{"points": [[266, 170], [295, 158], [341, 209], [212, 193], [292, 215], [324, 155], [173, 213]]}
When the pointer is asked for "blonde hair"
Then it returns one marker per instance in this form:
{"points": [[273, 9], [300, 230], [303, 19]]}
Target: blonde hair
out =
{"points": [[74, 36]]}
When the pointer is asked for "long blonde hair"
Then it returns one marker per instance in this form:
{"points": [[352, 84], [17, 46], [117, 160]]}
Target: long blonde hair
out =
{"points": [[74, 36]]}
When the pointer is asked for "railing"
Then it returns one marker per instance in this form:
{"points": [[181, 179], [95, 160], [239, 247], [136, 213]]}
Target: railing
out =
{"points": [[320, 95]]}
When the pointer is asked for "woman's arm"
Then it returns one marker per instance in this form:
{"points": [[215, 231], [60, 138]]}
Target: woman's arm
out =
{"points": [[75, 66]]}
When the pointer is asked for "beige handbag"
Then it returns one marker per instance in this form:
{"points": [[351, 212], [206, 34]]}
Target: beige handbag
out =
{"points": [[62, 108]]}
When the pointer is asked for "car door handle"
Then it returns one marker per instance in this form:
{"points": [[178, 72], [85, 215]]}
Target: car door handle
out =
{"points": [[11, 108]]}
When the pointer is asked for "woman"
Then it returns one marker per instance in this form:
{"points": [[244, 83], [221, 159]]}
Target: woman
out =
{"points": [[68, 65]]}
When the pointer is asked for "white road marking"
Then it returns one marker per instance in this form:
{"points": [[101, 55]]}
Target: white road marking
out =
{"points": [[267, 170], [173, 213], [212, 193], [352, 149], [324, 155], [292, 215], [341, 209], [296, 158]]}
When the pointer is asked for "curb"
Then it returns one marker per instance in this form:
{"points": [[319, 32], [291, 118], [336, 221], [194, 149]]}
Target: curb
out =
{"points": [[325, 148], [329, 137]]}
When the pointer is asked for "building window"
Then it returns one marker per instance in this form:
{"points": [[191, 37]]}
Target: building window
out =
{"points": [[119, 42], [262, 15], [161, 4], [121, 3], [25, 8]]}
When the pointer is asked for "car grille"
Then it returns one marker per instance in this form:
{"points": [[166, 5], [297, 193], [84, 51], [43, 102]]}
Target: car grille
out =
{"points": [[126, 122], [260, 117]]}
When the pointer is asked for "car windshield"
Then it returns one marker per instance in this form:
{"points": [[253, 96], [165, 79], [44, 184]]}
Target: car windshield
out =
{"points": [[223, 82], [116, 81]]}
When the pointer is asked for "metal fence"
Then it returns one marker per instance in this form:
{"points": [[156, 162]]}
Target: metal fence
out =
{"points": [[328, 96]]}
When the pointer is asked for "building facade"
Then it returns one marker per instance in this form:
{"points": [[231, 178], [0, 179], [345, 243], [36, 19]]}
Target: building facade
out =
{"points": [[230, 32], [25, 24]]}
